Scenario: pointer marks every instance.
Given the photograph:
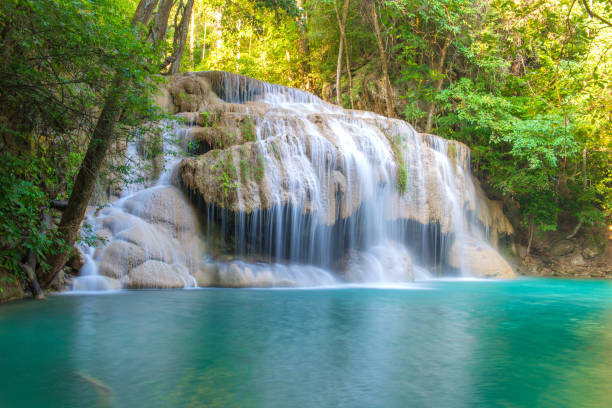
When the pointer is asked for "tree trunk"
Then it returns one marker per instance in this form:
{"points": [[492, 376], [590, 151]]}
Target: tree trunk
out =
{"points": [[348, 71], [303, 46], [31, 263], [383, 60], [439, 82], [180, 37], [204, 41], [29, 268], [70, 223], [192, 39], [531, 229], [84, 184], [144, 11], [584, 169], [342, 26], [158, 30], [584, 186]]}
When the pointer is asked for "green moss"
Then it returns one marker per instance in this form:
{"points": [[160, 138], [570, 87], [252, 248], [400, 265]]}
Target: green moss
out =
{"points": [[397, 143], [452, 149], [402, 179], [248, 129], [275, 150], [227, 174], [260, 169], [10, 287], [244, 170], [208, 119]]}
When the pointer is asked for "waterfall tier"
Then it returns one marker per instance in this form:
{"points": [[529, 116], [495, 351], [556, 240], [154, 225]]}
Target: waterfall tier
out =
{"points": [[291, 190]]}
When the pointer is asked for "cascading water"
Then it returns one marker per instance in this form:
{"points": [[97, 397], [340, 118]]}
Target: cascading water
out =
{"points": [[294, 191], [149, 232]]}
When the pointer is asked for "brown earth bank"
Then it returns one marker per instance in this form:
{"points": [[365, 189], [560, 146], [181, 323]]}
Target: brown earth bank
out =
{"points": [[588, 254]]}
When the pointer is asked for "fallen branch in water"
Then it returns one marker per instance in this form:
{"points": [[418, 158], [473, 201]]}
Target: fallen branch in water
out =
{"points": [[99, 385]]}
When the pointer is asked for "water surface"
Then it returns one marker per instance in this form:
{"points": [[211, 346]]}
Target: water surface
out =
{"points": [[528, 343]]}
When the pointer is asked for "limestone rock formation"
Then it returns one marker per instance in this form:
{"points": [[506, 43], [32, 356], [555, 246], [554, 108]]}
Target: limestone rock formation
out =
{"points": [[390, 262], [481, 259], [300, 186], [157, 274], [255, 157], [153, 240]]}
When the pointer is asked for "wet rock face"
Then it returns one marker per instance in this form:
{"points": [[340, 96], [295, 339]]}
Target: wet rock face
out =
{"points": [[390, 262], [562, 248], [157, 274], [152, 240], [238, 274], [481, 259]]}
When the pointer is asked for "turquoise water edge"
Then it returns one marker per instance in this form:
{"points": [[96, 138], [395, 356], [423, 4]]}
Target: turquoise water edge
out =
{"points": [[524, 343]]}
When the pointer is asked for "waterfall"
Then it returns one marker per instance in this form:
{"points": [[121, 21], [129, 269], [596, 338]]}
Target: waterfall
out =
{"points": [[291, 190], [150, 233]]}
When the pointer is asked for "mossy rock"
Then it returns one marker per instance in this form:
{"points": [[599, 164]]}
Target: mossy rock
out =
{"points": [[10, 287], [594, 244]]}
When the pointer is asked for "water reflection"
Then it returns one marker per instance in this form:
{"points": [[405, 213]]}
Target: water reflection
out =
{"points": [[463, 344]]}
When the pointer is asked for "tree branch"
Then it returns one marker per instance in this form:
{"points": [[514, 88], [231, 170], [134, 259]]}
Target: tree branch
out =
{"points": [[593, 14]]}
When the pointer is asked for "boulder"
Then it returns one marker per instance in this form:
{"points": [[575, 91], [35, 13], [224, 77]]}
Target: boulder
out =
{"points": [[116, 259], [562, 248], [163, 205], [207, 275], [118, 221], [156, 243], [577, 260], [479, 259], [156, 274], [594, 244], [390, 262]]}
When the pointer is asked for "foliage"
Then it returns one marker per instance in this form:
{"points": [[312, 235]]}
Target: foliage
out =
{"points": [[227, 173], [59, 61], [22, 203]]}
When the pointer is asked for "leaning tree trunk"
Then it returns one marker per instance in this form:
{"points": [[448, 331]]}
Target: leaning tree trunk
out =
{"points": [[180, 38], [342, 26], [102, 136], [383, 60]]}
